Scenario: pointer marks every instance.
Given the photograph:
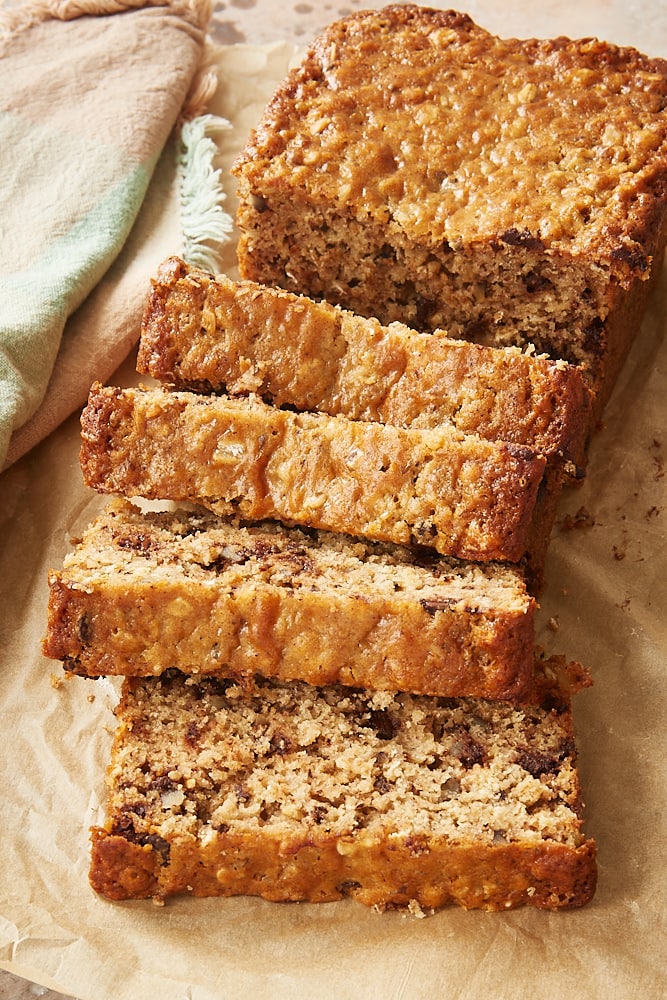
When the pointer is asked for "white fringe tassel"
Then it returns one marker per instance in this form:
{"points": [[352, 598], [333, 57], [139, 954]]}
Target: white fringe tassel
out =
{"points": [[205, 225]]}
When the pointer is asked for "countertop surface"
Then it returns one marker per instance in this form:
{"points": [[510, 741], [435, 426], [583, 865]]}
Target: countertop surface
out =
{"points": [[265, 21]]}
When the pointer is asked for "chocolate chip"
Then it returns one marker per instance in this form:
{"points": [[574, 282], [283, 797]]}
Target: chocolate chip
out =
{"points": [[159, 844], [192, 734], [634, 256], [593, 335], [84, 629], [468, 750], [521, 238], [139, 542], [537, 763], [381, 785], [163, 783], [384, 724], [243, 796], [124, 822], [318, 814], [434, 604], [124, 827], [280, 744]]}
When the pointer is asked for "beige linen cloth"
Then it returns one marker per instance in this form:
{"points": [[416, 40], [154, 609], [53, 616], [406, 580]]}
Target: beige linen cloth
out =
{"points": [[99, 137]]}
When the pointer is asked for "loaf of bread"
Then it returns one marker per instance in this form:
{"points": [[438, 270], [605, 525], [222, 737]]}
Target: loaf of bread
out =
{"points": [[294, 792], [146, 591], [415, 167], [456, 493], [212, 334]]}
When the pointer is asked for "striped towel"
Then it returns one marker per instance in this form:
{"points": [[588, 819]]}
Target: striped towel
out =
{"points": [[100, 121]]}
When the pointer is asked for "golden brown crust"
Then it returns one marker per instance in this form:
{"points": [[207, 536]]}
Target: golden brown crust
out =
{"points": [[386, 875], [214, 334], [144, 592], [536, 216], [123, 870], [458, 494], [415, 75], [394, 802]]}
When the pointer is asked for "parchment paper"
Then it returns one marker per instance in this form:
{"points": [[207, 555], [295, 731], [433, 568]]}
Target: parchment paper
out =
{"points": [[605, 604]]}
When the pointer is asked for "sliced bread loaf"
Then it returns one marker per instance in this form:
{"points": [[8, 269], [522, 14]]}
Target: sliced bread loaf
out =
{"points": [[303, 793], [416, 167], [457, 493], [212, 334], [144, 592]]}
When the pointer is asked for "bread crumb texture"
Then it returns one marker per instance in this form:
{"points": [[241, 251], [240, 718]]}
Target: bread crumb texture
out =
{"points": [[297, 792]]}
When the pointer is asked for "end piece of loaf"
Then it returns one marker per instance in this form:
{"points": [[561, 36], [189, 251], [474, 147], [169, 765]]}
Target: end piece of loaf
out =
{"points": [[303, 793], [457, 493], [208, 333], [416, 167], [146, 591]]}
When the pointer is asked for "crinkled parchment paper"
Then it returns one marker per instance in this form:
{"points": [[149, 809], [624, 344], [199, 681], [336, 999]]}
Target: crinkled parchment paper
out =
{"points": [[605, 604]]}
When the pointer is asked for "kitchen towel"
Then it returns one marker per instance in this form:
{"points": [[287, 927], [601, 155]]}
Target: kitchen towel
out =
{"points": [[106, 167]]}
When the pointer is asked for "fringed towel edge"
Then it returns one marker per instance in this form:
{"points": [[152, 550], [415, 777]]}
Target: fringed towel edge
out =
{"points": [[205, 225]]}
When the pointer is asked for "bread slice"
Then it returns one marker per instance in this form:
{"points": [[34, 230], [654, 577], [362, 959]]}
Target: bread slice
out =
{"points": [[146, 591], [416, 167], [301, 793], [457, 493], [212, 334]]}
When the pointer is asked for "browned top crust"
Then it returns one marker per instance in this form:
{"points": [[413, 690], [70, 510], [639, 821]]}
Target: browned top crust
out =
{"points": [[454, 492], [424, 121]]}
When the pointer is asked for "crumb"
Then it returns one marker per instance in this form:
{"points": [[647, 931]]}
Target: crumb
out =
{"points": [[91, 699], [582, 519], [619, 551], [658, 460], [553, 624], [56, 682], [415, 909]]}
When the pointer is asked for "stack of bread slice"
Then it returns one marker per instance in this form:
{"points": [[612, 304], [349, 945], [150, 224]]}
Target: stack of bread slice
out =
{"points": [[328, 633], [325, 616]]}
